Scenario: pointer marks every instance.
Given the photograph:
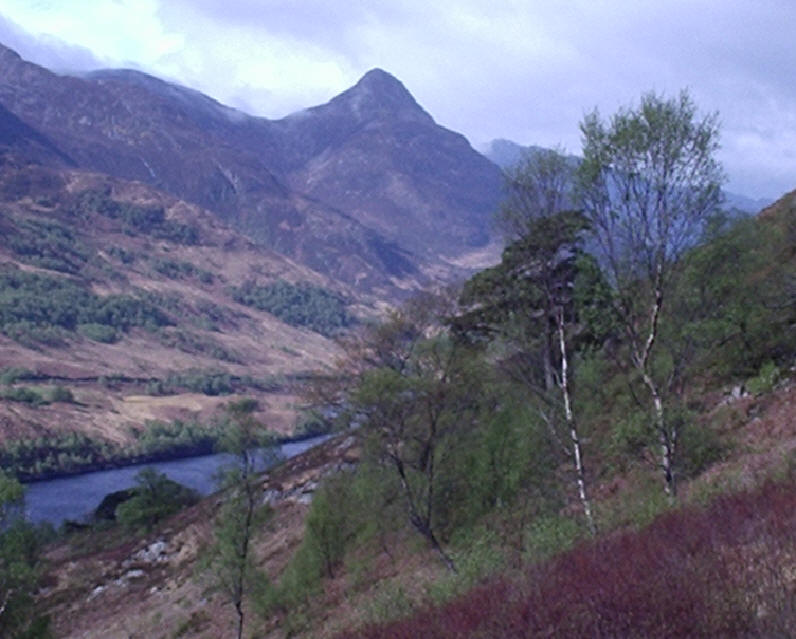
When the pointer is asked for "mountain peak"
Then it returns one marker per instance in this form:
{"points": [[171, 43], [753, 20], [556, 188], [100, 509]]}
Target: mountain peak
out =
{"points": [[379, 94], [380, 79], [8, 55]]}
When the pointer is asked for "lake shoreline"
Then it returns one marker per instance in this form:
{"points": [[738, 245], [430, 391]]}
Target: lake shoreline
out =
{"points": [[167, 455]]}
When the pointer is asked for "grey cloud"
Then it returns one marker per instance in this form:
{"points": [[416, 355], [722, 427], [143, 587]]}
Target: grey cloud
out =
{"points": [[47, 51], [523, 70]]}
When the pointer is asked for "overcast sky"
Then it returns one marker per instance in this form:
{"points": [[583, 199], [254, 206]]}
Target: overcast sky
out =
{"points": [[526, 70]]}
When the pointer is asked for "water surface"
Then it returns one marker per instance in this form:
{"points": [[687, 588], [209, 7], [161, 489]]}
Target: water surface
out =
{"points": [[76, 497]]}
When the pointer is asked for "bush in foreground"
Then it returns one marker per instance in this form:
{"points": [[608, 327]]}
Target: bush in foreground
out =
{"points": [[716, 572]]}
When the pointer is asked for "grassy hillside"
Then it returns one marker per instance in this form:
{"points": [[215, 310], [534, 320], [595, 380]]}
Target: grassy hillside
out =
{"points": [[121, 307]]}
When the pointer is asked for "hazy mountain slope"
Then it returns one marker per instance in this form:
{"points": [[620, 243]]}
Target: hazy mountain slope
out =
{"points": [[366, 188], [506, 153], [375, 153]]}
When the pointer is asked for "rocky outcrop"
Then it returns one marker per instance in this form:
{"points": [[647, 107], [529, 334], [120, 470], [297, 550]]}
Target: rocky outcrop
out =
{"points": [[297, 480]]}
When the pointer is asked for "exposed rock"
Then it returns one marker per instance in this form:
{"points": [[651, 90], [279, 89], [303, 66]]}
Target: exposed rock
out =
{"points": [[153, 553]]}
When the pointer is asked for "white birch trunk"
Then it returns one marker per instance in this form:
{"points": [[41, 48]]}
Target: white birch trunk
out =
{"points": [[580, 471], [666, 438]]}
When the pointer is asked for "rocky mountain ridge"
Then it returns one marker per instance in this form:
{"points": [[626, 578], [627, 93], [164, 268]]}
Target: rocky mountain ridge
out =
{"points": [[366, 188]]}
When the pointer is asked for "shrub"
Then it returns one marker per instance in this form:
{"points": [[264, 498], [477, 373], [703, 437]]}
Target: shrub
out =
{"points": [[47, 244], [701, 446], [40, 308], [23, 394], [135, 219], [155, 498], [11, 374], [765, 380], [98, 332], [59, 394], [189, 342], [303, 304], [692, 573]]}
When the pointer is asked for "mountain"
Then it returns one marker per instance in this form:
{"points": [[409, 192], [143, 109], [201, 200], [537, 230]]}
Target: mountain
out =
{"points": [[366, 188], [375, 153], [122, 306], [506, 153]]}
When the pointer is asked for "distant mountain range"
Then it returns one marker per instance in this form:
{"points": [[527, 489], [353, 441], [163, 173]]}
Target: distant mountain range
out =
{"points": [[506, 153]]}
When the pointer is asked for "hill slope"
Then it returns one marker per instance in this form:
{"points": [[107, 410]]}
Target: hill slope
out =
{"points": [[367, 188], [143, 307]]}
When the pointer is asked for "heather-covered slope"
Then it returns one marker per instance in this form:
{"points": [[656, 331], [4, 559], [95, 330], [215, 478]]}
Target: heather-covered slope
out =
{"points": [[143, 307]]}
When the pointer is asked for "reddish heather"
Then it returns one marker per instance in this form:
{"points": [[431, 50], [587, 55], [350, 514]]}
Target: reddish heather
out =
{"points": [[728, 570]]}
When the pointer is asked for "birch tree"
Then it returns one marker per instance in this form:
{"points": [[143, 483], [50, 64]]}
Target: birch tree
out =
{"points": [[229, 565], [20, 546], [647, 184], [415, 397], [527, 303]]}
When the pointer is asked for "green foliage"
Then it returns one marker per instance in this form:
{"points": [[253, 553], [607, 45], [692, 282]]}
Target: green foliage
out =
{"points": [[59, 393], [98, 332], [312, 426], [306, 305], [11, 496], [60, 453], [23, 394], [36, 396], [155, 498], [122, 254], [701, 447], [189, 342], [135, 219], [325, 526], [593, 302], [34, 335], [638, 505], [178, 270], [11, 374], [73, 452], [350, 510], [209, 382], [20, 544], [509, 455], [211, 315], [176, 438], [516, 298], [300, 581], [228, 565], [629, 437], [30, 302], [47, 244], [648, 182], [549, 535], [735, 299], [391, 600], [765, 380]]}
